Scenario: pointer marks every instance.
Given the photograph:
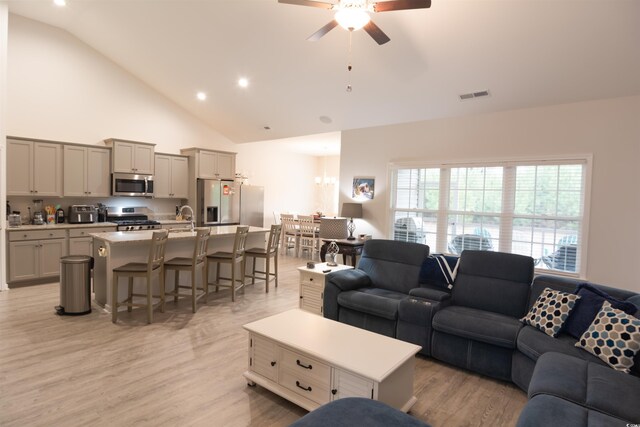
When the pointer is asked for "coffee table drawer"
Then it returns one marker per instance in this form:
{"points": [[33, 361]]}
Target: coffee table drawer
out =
{"points": [[310, 388], [306, 366]]}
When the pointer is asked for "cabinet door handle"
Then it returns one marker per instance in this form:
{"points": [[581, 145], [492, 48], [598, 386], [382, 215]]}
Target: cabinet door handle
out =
{"points": [[303, 366], [273, 363], [311, 279], [334, 391], [304, 388]]}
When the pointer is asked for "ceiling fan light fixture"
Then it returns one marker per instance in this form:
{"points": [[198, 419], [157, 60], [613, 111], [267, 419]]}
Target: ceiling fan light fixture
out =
{"points": [[352, 19]]}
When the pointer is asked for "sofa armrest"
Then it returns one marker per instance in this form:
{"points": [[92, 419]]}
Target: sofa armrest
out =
{"points": [[341, 281], [430, 294]]}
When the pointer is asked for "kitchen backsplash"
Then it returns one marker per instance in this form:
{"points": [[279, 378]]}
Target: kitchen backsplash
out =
{"points": [[158, 209]]}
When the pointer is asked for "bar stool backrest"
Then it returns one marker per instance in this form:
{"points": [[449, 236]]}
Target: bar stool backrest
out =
{"points": [[202, 242], [274, 238], [156, 251], [240, 241]]}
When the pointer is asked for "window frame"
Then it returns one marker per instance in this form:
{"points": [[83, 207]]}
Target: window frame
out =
{"points": [[506, 229]]}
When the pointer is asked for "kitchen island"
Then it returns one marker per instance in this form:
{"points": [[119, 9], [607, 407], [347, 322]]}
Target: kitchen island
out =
{"points": [[111, 250]]}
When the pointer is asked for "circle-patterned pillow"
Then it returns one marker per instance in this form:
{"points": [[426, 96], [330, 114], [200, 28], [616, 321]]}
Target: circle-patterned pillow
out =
{"points": [[613, 336], [550, 311]]}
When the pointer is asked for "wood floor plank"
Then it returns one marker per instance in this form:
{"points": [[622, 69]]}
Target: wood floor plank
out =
{"points": [[185, 368]]}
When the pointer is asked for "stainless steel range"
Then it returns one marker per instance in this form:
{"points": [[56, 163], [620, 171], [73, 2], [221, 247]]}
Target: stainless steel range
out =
{"points": [[131, 219]]}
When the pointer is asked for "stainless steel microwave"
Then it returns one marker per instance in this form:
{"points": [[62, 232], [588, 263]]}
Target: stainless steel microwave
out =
{"points": [[132, 185]]}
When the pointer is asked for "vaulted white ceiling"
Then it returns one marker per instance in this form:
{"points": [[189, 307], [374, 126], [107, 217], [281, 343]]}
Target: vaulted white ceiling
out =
{"points": [[525, 52]]}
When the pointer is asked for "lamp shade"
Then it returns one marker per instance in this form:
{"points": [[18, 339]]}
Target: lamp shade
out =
{"points": [[352, 210]]}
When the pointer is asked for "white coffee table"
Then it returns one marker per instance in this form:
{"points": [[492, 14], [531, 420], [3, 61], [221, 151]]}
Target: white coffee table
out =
{"points": [[310, 360]]}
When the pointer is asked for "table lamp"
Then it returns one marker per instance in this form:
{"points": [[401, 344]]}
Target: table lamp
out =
{"points": [[351, 210]]}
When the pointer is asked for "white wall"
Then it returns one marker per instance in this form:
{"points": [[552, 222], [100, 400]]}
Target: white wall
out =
{"points": [[288, 177], [61, 89], [607, 129], [326, 194]]}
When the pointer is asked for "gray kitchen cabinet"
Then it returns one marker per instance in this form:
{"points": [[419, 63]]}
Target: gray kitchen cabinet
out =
{"points": [[213, 164], [34, 168], [171, 178], [132, 156], [86, 171], [35, 254]]}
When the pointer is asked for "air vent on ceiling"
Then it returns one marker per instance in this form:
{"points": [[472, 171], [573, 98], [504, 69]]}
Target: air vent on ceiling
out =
{"points": [[472, 95]]}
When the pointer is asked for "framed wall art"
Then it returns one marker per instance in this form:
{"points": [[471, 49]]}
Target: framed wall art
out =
{"points": [[363, 188]]}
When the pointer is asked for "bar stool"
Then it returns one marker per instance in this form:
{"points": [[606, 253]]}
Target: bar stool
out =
{"points": [[271, 251], [232, 258], [193, 264], [155, 264]]}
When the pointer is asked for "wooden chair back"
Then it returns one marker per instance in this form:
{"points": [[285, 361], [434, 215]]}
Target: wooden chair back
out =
{"points": [[156, 251], [240, 241], [202, 242]]}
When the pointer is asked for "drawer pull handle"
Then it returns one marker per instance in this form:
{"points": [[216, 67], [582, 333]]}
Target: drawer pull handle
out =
{"points": [[311, 279], [304, 388], [303, 366], [273, 363]]}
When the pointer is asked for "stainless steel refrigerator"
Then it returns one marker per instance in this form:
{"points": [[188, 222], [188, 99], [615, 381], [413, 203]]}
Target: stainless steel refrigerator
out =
{"points": [[224, 202]]}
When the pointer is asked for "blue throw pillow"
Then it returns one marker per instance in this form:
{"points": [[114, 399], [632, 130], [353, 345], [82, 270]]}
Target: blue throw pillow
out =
{"points": [[431, 272], [590, 303]]}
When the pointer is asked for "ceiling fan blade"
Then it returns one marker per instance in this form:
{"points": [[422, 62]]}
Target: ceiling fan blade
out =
{"points": [[319, 4], [376, 33], [387, 6], [322, 31]]}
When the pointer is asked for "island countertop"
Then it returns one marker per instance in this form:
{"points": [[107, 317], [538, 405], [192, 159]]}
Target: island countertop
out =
{"points": [[120, 237]]}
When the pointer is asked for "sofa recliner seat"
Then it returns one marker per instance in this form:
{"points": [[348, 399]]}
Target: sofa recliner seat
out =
{"points": [[478, 330], [588, 384], [480, 325], [545, 410], [376, 295]]}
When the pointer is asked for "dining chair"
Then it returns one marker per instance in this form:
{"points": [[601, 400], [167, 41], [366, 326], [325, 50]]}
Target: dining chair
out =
{"points": [[153, 266], [271, 251], [193, 264], [233, 258], [290, 233], [308, 235]]}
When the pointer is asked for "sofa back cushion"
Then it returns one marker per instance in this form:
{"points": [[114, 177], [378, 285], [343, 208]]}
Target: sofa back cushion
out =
{"points": [[494, 281], [567, 284], [393, 265]]}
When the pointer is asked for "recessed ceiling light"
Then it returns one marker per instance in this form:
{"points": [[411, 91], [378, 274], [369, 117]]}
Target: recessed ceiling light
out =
{"points": [[243, 82], [201, 96], [60, 2]]}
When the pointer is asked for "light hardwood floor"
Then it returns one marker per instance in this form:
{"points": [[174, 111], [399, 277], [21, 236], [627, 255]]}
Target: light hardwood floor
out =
{"points": [[184, 369]]}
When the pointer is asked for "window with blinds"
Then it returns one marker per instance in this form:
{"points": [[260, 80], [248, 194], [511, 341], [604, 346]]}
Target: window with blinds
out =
{"points": [[528, 208]]}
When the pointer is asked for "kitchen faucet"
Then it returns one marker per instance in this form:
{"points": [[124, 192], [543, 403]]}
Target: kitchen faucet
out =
{"points": [[192, 215]]}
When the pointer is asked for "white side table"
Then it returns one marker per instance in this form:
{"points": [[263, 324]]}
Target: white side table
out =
{"points": [[312, 281]]}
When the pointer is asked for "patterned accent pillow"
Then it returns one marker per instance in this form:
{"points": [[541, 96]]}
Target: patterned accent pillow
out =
{"points": [[614, 336], [550, 311]]}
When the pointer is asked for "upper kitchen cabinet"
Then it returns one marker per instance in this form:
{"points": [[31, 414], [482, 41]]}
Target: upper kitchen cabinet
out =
{"points": [[212, 164], [131, 156], [86, 171], [171, 179], [34, 168]]}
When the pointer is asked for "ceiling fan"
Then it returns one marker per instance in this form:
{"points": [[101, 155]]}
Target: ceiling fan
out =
{"points": [[353, 15]]}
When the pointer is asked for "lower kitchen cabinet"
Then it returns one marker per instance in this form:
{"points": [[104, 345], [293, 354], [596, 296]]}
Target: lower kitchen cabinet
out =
{"points": [[80, 243], [35, 259]]}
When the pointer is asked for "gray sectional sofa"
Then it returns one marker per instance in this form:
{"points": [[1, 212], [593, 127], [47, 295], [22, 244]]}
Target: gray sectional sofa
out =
{"points": [[477, 326]]}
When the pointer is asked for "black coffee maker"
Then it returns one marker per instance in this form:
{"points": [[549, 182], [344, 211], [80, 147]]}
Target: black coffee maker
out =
{"points": [[59, 216], [102, 212]]}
